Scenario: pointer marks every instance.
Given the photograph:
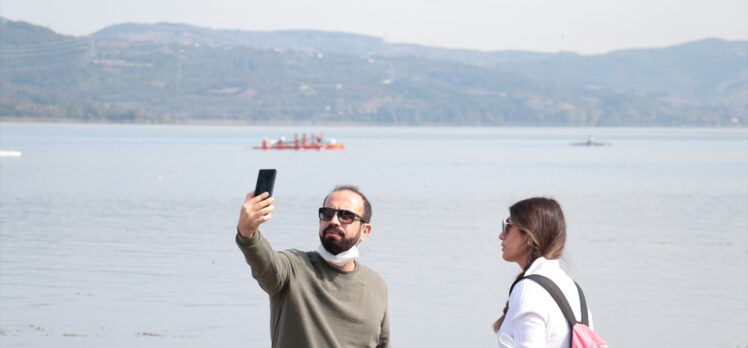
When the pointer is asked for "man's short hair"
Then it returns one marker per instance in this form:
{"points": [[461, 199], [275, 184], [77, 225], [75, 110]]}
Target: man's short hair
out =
{"points": [[354, 188]]}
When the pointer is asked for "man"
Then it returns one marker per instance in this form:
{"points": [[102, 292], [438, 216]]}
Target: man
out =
{"points": [[325, 298]]}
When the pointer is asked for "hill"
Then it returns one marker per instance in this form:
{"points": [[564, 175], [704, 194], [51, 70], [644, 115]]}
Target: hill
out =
{"points": [[179, 73]]}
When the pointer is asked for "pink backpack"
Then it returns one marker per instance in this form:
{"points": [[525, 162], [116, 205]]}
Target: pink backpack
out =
{"points": [[582, 335]]}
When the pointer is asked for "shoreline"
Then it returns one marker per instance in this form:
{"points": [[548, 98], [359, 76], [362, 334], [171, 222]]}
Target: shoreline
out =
{"points": [[199, 122]]}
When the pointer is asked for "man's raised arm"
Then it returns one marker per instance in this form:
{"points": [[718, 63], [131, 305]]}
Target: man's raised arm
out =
{"points": [[270, 268]]}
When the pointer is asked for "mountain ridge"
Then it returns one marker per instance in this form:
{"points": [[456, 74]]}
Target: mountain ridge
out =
{"points": [[171, 72]]}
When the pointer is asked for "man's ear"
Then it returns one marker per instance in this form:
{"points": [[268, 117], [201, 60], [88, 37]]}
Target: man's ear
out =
{"points": [[366, 229]]}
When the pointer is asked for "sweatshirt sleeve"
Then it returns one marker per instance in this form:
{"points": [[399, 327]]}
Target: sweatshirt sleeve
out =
{"points": [[270, 268], [384, 334]]}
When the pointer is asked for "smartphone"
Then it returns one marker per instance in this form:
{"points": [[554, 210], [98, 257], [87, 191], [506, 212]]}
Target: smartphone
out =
{"points": [[265, 181]]}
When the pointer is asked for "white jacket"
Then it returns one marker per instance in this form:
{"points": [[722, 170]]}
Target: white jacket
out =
{"points": [[533, 318]]}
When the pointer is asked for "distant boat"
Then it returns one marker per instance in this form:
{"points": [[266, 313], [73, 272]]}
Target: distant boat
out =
{"points": [[591, 142], [6, 153], [312, 143]]}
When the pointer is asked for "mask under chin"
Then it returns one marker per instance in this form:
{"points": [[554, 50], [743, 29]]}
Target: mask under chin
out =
{"points": [[337, 247]]}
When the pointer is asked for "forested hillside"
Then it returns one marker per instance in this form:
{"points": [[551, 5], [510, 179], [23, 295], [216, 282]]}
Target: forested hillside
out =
{"points": [[179, 73]]}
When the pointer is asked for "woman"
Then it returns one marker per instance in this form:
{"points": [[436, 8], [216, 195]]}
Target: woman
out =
{"points": [[534, 236]]}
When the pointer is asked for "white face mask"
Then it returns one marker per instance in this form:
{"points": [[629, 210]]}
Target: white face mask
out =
{"points": [[343, 257], [340, 259]]}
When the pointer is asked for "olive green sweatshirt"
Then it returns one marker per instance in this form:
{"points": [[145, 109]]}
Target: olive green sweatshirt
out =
{"points": [[313, 304]]}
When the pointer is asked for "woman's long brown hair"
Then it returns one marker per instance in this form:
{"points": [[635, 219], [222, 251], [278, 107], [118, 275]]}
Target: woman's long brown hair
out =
{"points": [[543, 221]]}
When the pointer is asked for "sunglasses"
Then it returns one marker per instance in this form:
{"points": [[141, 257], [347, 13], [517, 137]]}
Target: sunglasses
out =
{"points": [[345, 216], [505, 224]]}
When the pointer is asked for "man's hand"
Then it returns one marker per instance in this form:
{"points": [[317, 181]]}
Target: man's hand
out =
{"points": [[255, 211]]}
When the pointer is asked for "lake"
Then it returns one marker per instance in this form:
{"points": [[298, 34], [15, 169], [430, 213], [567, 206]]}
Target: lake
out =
{"points": [[123, 235]]}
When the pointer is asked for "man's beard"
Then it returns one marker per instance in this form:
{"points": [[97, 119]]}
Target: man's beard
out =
{"points": [[338, 246]]}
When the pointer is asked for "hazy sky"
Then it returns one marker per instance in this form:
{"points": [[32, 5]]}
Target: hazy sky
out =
{"points": [[584, 26]]}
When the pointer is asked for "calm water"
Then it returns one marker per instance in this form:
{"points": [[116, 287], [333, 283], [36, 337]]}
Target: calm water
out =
{"points": [[122, 236]]}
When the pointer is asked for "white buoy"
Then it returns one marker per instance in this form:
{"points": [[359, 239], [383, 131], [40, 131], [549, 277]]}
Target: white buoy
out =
{"points": [[5, 153]]}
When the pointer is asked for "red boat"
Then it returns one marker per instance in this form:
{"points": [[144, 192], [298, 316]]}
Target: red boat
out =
{"points": [[316, 143]]}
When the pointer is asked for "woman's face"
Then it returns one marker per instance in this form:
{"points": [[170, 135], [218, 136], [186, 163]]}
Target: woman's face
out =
{"points": [[514, 245]]}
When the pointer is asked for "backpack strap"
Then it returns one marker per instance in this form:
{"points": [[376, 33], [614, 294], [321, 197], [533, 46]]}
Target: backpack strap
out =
{"points": [[583, 304], [560, 299]]}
